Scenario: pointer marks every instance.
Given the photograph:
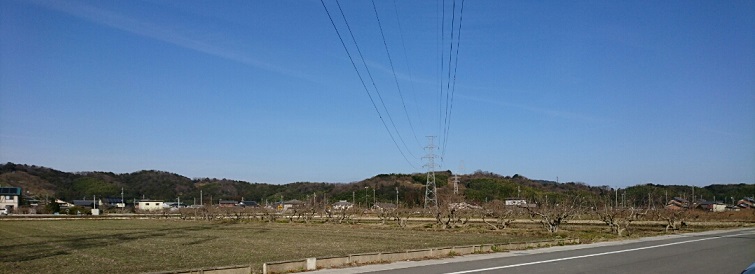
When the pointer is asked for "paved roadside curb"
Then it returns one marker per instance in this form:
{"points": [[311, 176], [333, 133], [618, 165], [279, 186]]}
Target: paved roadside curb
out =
{"points": [[336, 262], [476, 257]]}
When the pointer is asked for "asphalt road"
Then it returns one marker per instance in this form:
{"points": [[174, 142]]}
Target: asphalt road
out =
{"points": [[706, 252]]}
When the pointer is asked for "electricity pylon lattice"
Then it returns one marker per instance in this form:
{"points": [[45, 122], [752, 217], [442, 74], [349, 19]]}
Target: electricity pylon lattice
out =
{"points": [[456, 178], [431, 199]]}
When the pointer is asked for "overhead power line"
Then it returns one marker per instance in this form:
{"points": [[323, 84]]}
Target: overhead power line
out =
{"points": [[408, 69], [453, 87], [441, 62], [361, 79], [374, 85], [395, 78], [448, 81], [447, 72]]}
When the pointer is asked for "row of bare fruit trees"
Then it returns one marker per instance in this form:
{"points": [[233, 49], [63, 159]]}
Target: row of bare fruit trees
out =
{"points": [[493, 215]]}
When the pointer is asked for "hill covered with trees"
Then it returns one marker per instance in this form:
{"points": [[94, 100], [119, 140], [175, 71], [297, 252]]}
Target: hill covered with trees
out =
{"points": [[478, 187]]}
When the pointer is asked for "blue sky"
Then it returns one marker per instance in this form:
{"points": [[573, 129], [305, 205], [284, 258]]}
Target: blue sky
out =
{"points": [[611, 93]]}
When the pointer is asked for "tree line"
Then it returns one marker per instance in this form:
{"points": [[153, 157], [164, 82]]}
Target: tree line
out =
{"points": [[407, 190]]}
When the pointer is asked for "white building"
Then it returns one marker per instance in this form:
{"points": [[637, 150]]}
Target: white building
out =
{"points": [[515, 202], [150, 205], [10, 197], [341, 205]]}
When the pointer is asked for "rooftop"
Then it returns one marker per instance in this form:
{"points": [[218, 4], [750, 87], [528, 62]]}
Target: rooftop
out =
{"points": [[10, 191]]}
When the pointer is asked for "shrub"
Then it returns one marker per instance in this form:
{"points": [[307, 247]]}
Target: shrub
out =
{"points": [[77, 210]]}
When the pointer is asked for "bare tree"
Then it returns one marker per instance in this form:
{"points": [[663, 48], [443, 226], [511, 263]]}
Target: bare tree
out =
{"points": [[619, 219], [675, 219], [327, 215], [202, 213], [304, 213], [347, 214], [269, 215], [401, 216], [497, 215], [383, 215], [455, 215], [551, 216]]}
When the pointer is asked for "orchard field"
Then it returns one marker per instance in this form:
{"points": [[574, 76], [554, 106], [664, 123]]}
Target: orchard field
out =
{"points": [[89, 245]]}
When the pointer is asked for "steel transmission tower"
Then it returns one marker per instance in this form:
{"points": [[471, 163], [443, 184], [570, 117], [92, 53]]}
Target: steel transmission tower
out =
{"points": [[456, 178], [431, 199]]}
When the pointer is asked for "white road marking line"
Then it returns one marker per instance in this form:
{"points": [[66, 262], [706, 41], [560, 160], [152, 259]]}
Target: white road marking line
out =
{"points": [[592, 255]]}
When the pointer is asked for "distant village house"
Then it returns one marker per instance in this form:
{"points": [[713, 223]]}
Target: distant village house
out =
{"points": [[10, 198], [227, 203], [746, 203], [342, 205], [248, 203], [677, 203], [515, 202], [150, 205]]}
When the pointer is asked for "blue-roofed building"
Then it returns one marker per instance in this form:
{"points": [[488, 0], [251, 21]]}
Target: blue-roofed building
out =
{"points": [[112, 202]]}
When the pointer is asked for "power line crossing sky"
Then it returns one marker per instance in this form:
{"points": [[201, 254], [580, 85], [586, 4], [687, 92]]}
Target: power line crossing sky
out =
{"points": [[603, 92]]}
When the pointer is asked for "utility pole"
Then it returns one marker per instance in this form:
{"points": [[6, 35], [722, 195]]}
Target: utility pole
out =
{"points": [[366, 196], [396, 197], [456, 184], [518, 192], [456, 178], [374, 199], [431, 199], [200, 198]]}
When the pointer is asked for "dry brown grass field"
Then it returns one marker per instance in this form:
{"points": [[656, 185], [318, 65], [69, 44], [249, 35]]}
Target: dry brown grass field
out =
{"points": [[131, 246], [149, 245]]}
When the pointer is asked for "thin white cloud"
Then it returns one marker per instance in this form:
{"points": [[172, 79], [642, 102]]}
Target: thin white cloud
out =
{"points": [[170, 34]]}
